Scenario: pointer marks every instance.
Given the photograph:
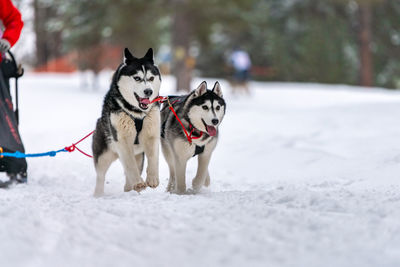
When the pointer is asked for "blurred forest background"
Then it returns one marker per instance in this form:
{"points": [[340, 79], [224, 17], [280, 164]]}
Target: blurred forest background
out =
{"points": [[332, 41]]}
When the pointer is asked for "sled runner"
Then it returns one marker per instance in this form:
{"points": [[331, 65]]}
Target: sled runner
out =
{"points": [[10, 139]]}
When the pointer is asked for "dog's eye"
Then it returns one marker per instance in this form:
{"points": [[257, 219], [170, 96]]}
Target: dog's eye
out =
{"points": [[205, 107], [218, 108], [136, 78], [151, 79]]}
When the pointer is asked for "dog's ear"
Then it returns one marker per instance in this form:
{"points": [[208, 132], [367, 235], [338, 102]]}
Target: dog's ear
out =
{"points": [[217, 89], [128, 57], [202, 89], [149, 55]]}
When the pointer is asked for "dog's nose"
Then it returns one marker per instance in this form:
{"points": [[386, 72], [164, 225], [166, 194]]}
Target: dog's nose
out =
{"points": [[215, 121], [148, 92]]}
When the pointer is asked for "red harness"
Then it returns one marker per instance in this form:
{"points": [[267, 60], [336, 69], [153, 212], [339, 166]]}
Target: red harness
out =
{"points": [[189, 136]]}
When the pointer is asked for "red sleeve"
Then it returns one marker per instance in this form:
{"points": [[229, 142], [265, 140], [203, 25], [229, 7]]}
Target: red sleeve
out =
{"points": [[12, 21]]}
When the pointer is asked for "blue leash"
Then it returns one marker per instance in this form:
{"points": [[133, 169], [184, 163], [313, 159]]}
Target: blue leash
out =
{"points": [[18, 154], [70, 148]]}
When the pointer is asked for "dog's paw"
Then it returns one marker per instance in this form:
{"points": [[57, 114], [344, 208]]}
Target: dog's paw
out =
{"points": [[98, 190], [207, 181], [139, 186], [197, 183], [98, 194], [171, 187], [177, 191], [152, 182], [191, 191], [128, 187]]}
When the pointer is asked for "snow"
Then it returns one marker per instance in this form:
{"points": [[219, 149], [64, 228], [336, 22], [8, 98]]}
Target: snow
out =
{"points": [[303, 175]]}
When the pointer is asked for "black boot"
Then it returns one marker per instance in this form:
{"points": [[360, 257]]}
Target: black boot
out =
{"points": [[5, 184], [15, 169], [20, 178]]}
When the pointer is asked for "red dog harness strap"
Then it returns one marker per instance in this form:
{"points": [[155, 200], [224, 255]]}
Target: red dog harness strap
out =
{"points": [[189, 136]]}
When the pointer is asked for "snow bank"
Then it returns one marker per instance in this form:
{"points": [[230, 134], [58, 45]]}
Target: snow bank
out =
{"points": [[303, 175]]}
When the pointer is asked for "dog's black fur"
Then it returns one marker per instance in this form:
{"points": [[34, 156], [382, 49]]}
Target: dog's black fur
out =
{"points": [[104, 129]]}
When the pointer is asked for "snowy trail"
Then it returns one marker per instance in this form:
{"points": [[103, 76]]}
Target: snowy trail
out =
{"points": [[304, 175]]}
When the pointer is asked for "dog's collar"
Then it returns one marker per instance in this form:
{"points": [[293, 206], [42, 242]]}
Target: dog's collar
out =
{"points": [[194, 131], [188, 135]]}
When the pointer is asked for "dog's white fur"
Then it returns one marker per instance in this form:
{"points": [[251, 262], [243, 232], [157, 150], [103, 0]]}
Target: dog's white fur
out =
{"points": [[180, 150], [130, 154]]}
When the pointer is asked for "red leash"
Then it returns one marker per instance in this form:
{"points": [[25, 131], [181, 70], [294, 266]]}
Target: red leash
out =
{"points": [[189, 136], [160, 99], [73, 146]]}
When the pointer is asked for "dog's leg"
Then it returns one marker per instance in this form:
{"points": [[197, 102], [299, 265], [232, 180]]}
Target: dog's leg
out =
{"points": [[180, 178], [207, 181], [103, 163], [151, 151], [202, 171], [182, 154], [168, 155], [132, 174], [180, 174], [151, 142], [140, 162]]}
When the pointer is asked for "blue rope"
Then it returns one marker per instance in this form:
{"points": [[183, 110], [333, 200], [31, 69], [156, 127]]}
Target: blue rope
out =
{"points": [[18, 154], [71, 148]]}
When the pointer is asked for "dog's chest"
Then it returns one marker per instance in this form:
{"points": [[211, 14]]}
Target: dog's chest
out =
{"points": [[204, 141], [124, 126], [197, 147], [133, 130]]}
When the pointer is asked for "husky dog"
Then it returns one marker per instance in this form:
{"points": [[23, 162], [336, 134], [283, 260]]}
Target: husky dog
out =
{"points": [[200, 112], [129, 126]]}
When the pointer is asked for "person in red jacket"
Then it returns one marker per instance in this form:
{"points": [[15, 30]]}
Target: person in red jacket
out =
{"points": [[11, 18], [12, 22], [9, 34]]}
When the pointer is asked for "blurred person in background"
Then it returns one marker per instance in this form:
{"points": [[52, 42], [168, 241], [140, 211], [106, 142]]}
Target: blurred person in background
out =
{"points": [[10, 141], [241, 63]]}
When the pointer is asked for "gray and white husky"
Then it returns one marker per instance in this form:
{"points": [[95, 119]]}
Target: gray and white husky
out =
{"points": [[200, 112], [129, 126]]}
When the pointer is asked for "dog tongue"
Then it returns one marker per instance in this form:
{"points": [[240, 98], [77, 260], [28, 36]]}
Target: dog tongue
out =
{"points": [[211, 130], [145, 101]]}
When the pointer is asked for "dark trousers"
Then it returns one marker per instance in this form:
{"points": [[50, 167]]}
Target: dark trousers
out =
{"points": [[10, 141]]}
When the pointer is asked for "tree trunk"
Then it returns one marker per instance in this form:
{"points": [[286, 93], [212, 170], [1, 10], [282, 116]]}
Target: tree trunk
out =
{"points": [[366, 71], [40, 32], [181, 28], [48, 43]]}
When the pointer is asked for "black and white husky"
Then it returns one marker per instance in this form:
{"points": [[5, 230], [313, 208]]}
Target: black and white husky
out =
{"points": [[200, 112], [129, 126]]}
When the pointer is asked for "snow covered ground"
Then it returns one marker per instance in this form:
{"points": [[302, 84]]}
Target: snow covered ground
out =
{"points": [[303, 175]]}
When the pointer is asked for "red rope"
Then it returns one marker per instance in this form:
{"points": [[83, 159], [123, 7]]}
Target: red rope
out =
{"points": [[194, 137], [73, 146], [160, 99], [189, 136]]}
